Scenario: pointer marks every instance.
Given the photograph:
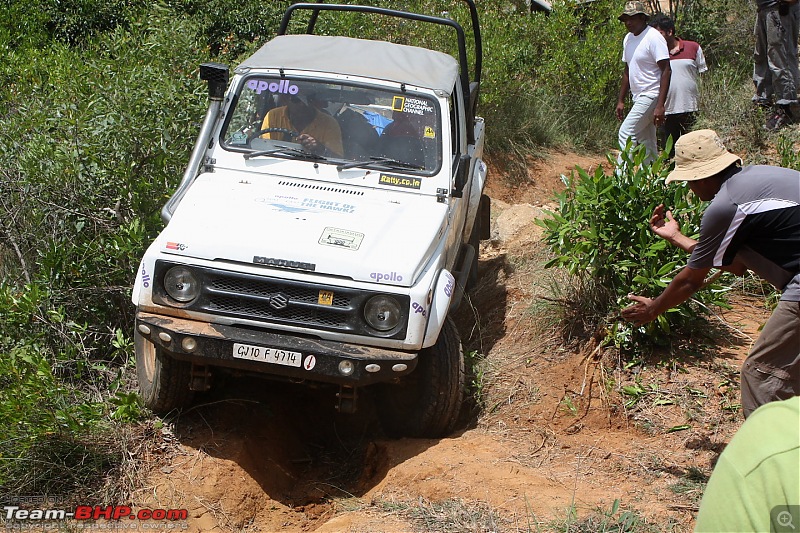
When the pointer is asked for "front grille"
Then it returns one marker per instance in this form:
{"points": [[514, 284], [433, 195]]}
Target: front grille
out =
{"points": [[254, 309], [278, 301], [249, 287]]}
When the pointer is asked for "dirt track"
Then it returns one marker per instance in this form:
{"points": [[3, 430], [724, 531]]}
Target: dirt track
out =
{"points": [[555, 432]]}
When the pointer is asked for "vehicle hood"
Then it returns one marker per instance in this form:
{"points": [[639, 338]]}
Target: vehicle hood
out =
{"points": [[363, 233]]}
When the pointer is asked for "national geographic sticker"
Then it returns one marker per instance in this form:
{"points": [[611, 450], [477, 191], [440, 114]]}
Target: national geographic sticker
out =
{"points": [[341, 238], [400, 181], [414, 106]]}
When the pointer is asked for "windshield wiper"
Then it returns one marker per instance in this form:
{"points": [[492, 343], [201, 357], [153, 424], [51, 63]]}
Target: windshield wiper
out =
{"points": [[286, 150], [380, 162]]}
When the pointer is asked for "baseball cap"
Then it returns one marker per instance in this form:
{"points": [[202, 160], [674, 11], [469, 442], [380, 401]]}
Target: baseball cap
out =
{"points": [[634, 7], [700, 154]]}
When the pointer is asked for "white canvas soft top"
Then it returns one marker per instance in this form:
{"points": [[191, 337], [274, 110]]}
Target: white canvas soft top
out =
{"points": [[358, 57]]}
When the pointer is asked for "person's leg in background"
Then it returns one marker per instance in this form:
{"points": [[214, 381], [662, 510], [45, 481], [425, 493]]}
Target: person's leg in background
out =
{"points": [[638, 126]]}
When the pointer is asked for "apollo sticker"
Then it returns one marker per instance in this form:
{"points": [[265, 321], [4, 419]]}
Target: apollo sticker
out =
{"points": [[281, 87], [414, 106], [145, 278], [341, 238], [429, 133]]}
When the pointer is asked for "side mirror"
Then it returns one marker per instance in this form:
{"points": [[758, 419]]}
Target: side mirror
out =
{"points": [[216, 74], [461, 175]]}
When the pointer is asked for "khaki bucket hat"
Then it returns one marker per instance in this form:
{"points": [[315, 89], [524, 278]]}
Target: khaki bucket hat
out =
{"points": [[700, 154], [634, 7]]}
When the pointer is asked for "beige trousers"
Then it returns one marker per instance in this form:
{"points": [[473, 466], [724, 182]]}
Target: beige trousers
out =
{"points": [[772, 370]]}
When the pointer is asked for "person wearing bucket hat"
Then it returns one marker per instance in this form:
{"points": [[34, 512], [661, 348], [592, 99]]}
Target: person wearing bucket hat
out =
{"points": [[646, 76], [752, 222], [317, 131]]}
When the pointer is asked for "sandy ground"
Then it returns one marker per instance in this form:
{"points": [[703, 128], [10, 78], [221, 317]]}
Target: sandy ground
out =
{"points": [[555, 434]]}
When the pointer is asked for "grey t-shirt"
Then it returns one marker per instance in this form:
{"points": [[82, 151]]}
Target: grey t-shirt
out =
{"points": [[756, 212]]}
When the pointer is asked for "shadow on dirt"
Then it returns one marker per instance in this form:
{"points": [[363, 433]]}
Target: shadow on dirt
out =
{"points": [[297, 447], [481, 316], [289, 439]]}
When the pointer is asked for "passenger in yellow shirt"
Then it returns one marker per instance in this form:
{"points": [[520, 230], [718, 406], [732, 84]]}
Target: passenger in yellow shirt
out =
{"points": [[318, 132]]}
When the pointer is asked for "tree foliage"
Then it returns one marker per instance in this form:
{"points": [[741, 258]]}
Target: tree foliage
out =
{"points": [[94, 139]]}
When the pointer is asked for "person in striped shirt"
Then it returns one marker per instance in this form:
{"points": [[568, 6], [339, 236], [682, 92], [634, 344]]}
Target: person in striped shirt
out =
{"points": [[687, 63]]}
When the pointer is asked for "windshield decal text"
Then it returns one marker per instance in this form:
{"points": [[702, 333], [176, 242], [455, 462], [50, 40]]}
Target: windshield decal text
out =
{"points": [[281, 87], [415, 106], [400, 181]]}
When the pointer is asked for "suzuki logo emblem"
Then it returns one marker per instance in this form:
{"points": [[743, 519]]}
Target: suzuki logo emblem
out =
{"points": [[279, 301]]}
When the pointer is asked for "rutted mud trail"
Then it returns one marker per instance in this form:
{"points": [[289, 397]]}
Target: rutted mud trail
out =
{"points": [[262, 456]]}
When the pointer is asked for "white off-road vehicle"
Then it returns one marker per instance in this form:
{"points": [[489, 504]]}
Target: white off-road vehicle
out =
{"points": [[326, 226]]}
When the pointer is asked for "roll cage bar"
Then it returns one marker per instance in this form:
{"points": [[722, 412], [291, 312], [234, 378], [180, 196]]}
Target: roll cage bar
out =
{"points": [[469, 88]]}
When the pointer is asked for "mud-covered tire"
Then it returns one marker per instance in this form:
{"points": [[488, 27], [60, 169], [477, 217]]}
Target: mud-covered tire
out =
{"points": [[427, 402], [163, 380]]}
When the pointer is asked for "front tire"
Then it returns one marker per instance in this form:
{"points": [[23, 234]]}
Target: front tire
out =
{"points": [[427, 402], [163, 380]]}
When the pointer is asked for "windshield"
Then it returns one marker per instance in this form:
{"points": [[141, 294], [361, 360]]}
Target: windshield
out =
{"points": [[347, 125]]}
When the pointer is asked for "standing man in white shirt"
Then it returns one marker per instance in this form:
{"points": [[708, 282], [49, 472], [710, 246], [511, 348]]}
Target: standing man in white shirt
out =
{"points": [[646, 75], [687, 62]]}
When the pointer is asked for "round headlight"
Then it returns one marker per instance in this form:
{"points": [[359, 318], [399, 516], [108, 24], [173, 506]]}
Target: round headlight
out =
{"points": [[382, 312], [181, 284]]}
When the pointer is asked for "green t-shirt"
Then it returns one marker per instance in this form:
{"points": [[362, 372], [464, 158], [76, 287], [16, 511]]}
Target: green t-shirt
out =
{"points": [[756, 482]]}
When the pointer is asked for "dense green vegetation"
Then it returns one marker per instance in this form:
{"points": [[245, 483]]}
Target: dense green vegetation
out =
{"points": [[101, 103]]}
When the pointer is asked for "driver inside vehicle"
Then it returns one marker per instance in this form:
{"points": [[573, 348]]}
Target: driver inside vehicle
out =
{"points": [[317, 131]]}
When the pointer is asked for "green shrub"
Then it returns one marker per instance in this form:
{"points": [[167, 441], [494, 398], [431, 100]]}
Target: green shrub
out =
{"points": [[94, 140], [74, 22], [39, 403], [600, 235]]}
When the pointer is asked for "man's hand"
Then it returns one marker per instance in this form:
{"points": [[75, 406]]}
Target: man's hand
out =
{"points": [[664, 225], [308, 142], [668, 229], [620, 111], [659, 115], [642, 312]]}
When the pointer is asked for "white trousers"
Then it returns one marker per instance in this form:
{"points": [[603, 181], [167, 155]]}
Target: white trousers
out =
{"points": [[639, 127]]}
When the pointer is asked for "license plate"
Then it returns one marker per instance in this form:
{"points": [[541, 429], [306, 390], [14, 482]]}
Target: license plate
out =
{"points": [[267, 355]]}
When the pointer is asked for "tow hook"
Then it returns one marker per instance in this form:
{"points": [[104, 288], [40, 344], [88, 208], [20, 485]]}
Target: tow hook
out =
{"points": [[201, 378], [346, 399]]}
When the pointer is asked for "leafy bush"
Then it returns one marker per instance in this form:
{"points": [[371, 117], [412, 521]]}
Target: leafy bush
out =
{"points": [[91, 147], [600, 235], [39, 404], [75, 22], [229, 27]]}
